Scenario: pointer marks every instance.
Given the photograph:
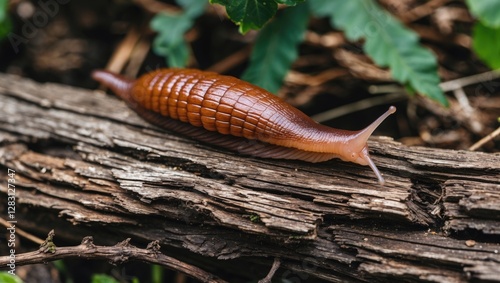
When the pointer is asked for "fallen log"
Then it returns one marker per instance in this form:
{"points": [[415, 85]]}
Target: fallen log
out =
{"points": [[85, 165]]}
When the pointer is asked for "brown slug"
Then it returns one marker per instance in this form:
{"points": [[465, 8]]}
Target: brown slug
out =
{"points": [[231, 113]]}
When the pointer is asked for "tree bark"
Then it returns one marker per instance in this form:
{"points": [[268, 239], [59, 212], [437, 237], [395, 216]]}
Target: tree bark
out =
{"points": [[85, 165]]}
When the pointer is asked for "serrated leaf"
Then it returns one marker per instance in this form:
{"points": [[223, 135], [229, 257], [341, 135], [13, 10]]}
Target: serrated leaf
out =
{"points": [[170, 37], [170, 42], [249, 14], [387, 42], [488, 11], [290, 2], [276, 48], [486, 44], [170, 27]]}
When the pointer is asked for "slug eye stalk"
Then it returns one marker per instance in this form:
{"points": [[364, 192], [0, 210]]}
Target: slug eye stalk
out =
{"points": [[381, 179], [359, 148]]}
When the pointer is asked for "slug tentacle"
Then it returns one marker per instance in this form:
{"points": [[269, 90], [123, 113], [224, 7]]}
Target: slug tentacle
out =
{"points": [[374, 168], [236, 115], [363, 135], [356, 148]]}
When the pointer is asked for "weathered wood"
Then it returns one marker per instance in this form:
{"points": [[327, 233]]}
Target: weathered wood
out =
{"points": [[84, 156]]}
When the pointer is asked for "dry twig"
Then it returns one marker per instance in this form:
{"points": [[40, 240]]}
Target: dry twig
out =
{"points": [[486, 139], [119, 253], [21, 232], [274, 267]]}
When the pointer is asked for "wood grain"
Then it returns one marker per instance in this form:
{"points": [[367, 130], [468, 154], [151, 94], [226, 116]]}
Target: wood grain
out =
{"points": [[87, 166]]}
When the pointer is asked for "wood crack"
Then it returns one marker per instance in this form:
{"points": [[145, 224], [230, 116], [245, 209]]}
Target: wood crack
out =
{"points": [[86, 165]]}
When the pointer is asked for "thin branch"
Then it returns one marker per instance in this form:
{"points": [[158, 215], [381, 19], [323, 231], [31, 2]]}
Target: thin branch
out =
{"points": [[119, 253], [154, 7], [231, 61], [484, 140], [445, 86], [422, 10], [21, 232], [470, 114], [272, 271], [470, 80], [359, 105], [122, 53]]}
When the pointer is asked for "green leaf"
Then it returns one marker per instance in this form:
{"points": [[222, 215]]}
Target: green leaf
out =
{"points": [[486, 33], [171, 28], [249, 14], [5, 28], [488, 11], [157, 273], [5, 277], [387, 42], [486, 44], [193, 8], [5, 22], [102, 278], [4, 4], [170, 39], [276, 48], [290, 2]]}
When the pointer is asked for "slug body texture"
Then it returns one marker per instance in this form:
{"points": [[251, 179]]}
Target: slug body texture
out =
{"points": [[237, 115]]}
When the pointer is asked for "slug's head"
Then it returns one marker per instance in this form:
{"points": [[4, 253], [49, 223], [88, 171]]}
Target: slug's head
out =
{"points": [[356, 149]]}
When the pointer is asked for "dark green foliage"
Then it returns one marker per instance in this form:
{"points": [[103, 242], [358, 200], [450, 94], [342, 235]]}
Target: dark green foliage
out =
{"points": [[103, 278], [486, 32], [249, 14], [7, 278], [290, 2], [388, 42], [486, 44], [5, 23], [252, 14], [171, 28], [488, 11], [276, 48]]}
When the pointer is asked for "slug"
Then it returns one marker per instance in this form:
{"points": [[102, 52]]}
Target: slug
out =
{"points": [[233, 114]]}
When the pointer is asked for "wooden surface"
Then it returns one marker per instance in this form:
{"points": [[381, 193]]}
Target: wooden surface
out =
{"points": [[87, 166]]}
